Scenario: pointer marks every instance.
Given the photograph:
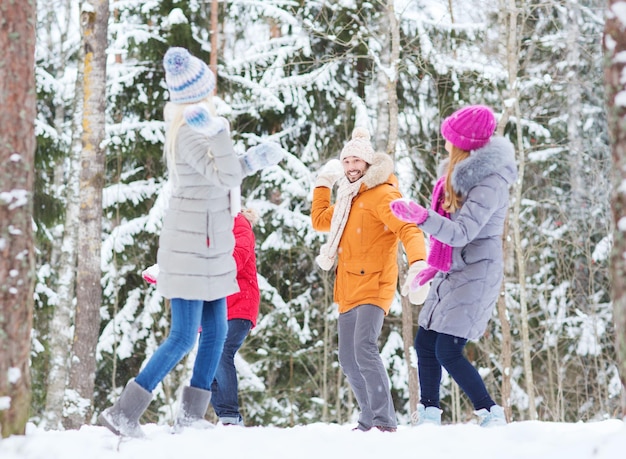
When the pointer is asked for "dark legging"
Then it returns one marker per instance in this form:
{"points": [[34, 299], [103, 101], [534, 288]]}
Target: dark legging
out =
{"points": [[436, 350]]}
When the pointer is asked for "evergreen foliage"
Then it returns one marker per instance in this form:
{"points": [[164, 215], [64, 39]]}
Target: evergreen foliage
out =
{"points": [[302, 74]]}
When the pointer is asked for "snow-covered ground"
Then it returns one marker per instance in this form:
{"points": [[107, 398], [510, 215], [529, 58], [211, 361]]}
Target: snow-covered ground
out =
{"points": [[528, 439]]}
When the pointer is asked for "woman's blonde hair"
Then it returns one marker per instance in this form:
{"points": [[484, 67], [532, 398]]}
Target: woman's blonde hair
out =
{"points": [[174, 119], [452, 201]]}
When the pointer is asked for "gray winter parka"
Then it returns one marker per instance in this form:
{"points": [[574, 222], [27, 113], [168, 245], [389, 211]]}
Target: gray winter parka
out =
{"points": [[461, 301], [195, 254]]}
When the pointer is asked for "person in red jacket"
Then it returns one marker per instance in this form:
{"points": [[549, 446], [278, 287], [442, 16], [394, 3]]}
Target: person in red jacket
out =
{"points": [[243, 310]]}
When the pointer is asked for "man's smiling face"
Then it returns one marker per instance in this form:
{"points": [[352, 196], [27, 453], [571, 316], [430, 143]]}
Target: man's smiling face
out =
{"points": [[354, 168]]}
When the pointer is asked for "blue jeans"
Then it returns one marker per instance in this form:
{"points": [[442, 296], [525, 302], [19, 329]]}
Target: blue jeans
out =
{"points": [[225, 397], [187, 317], [436, 350]]}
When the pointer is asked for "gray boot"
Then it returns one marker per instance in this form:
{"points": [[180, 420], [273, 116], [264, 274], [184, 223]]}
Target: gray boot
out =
{"points": [[193, 406], [123, 417]]}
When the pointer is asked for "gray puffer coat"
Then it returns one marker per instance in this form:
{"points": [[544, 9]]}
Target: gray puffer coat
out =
{"points": [[461, 301], [195, 254]]}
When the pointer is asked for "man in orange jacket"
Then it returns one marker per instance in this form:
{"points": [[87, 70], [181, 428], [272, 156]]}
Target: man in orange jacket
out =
{"points": [[363, 242]]}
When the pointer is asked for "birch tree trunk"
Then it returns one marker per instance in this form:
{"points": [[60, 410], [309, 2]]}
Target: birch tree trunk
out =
{"points": [[574, 140], [408, 333], [214, 40], [614, 45], [513, 69], [94, 23], [60, 341], [17, 261], [392, 78], [578, 209], [506, 355], [381, 139], [387, 127], [60, 337], [60, 325]]}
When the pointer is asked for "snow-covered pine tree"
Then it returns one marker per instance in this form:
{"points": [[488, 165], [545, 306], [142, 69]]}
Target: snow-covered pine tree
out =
{"points": [[303, 74]]}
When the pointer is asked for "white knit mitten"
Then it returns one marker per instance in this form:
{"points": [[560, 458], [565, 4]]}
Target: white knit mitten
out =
{"points": [[261, 156], [329, 173], [151, 274], [199, 118], [418, 295], [323, 260]]}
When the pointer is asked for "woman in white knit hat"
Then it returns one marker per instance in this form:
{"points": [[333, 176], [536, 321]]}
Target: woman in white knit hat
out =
{"points": [[197, 270]]}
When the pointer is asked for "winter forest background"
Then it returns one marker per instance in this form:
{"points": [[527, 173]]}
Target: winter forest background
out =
{"points": [[304, 73]]}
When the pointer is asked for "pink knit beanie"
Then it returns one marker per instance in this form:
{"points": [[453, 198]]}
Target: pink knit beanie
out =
{"points": [[470, 127]]}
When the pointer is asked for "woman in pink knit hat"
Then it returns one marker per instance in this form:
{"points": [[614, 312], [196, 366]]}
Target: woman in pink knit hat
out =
{"points": [[465, 222]]}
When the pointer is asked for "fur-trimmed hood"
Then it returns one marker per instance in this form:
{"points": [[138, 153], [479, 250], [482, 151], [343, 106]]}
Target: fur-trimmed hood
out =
{"points": [[497, 157]]}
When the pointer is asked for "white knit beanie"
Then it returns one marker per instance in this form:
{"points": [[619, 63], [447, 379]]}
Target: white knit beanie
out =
{"points": [[188, 78], [360, 146]]}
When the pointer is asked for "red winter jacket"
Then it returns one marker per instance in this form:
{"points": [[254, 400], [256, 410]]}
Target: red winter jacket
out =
{"points": [[245, 303]]}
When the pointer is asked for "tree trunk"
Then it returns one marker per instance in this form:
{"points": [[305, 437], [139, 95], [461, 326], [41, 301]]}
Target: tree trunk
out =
{"points": [[392, 81], [214, 40], [513, 68], [578, 210], [61, 323], [408, 334], [17, 261], [380, 138], [94, 22], [387, 123], [329, 348], [614, 45], [506, 352]]}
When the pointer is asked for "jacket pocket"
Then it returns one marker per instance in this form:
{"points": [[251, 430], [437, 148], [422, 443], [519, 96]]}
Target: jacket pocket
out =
{"points": [[210, 230], [481, 250], [361, 280], [219, 232]]}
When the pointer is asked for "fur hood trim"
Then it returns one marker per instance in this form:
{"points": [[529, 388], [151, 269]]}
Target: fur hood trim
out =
{"points": [[497, 157], [379, 171]]}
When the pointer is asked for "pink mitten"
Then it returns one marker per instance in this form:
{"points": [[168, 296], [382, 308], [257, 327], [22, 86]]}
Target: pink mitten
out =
{"points": [[423, 277], [408, 211]]}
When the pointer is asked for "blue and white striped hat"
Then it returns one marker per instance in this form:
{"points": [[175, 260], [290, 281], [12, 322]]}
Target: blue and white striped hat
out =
{"points": [[188, 78]]}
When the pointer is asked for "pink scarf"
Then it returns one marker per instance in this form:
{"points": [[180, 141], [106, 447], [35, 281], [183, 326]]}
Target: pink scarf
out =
{"points": [[440, 255]]}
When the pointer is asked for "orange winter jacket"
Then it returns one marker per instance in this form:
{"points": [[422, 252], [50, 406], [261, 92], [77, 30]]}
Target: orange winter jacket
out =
{"points": [[367, 260]]}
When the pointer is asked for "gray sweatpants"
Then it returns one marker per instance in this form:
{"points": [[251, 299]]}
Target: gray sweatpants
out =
{"points": [[359, 357]]}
